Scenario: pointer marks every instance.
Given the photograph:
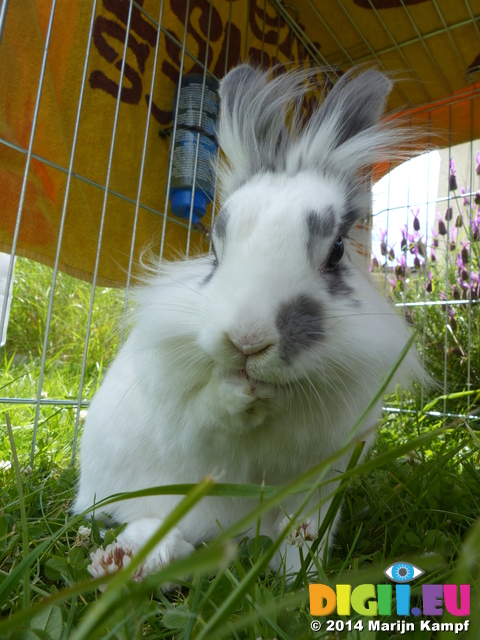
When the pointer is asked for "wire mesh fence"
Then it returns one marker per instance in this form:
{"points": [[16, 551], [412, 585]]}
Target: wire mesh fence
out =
{"points": [[134, 53]]}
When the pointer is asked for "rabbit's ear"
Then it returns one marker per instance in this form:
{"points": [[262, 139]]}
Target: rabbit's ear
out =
{"points": [[251, 129], [234, 84], [355, 103], [345, 135]]}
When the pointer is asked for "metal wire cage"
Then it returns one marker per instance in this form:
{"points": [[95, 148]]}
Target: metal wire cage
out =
{"points": [[86, 175]]}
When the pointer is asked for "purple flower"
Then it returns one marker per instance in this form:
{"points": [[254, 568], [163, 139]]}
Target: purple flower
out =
{"points": [[401, 265], [392, 282], [466, 201], [449, 213], [403, 242], [453, 239], [476, 226], [416, 221], [459, 221], [477, 197], [477, 158], [475, 285], [433, 257], [464, 253], [435, 238], [413, 237], [418, 248], [429, 282], [451, 315], [462, 267], [442, 229], [383, 242], [452, 180], [391, 254]]}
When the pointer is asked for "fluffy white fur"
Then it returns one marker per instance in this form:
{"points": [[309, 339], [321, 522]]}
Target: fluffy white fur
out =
{"points": [[181, 400]]}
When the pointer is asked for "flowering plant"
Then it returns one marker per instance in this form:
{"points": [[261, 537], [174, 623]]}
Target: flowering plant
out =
{"points": [[436, 278]]}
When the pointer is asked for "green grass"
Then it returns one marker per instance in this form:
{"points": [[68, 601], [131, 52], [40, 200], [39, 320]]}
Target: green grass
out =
{"points": [[416, 497]]}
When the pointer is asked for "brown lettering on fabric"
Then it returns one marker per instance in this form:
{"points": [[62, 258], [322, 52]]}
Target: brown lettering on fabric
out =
{"points": [[209, 17], [99, 80], [230, 52], [162, 117], [130, 95], [204, 27], [199, 31], [259, 21], [285, 45], [258, 57], [138, 24], [104, 26]]}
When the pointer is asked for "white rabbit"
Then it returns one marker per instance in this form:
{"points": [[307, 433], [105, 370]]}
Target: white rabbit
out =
{"points": [[253, 363]]}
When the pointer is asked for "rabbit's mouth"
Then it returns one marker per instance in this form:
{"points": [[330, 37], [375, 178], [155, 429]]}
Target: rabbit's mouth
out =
{"points": [[243, 373], [254, 381]]}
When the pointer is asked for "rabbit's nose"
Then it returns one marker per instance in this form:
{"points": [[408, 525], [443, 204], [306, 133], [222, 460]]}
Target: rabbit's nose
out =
{"points": [[250, 346]]}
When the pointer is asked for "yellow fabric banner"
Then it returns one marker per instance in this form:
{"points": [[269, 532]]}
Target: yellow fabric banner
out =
{"points": [[21, 54], [220, 33]]}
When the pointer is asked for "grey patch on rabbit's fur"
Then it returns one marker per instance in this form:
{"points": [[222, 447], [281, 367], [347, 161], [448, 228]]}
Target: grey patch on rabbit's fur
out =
{"points": [[319, 226], [342, 136], [355, 207], [352, 215], [220, 226], [336, 279], [299, 323]]}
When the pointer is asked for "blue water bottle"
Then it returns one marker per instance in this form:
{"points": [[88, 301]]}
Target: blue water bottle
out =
{"points": [[189, 127]]}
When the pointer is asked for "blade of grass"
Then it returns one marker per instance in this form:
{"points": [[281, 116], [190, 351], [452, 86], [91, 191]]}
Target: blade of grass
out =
{"points": [[288, 601], [228, 490], [230, 602], [23, 513], [467, 572], [20, 572], [383, 387], [333, 507], [202, 560], [206, 559], [101, 609], [252, 574]]}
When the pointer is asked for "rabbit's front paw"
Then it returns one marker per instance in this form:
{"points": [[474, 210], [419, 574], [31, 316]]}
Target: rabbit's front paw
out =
{"points": [[241, 396], [115, 556], [118, 555]]}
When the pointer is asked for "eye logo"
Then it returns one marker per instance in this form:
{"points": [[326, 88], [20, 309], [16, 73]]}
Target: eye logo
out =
{"points": [[402, 572]]}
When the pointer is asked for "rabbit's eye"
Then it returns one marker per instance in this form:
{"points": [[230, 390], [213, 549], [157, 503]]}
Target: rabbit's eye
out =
{"points": [[337, 252]]}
